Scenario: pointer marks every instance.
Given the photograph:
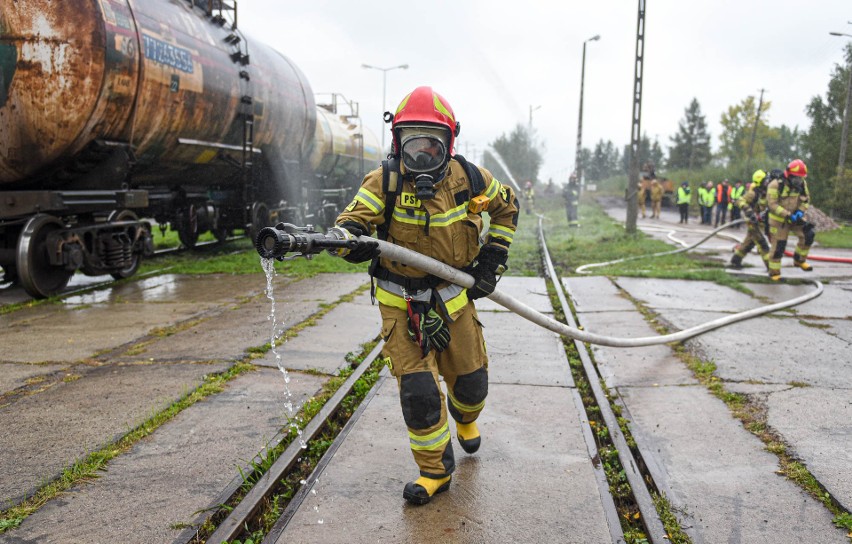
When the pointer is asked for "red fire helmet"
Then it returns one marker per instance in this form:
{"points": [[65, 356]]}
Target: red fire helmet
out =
{"points": [[423, 106], [796, 168]]}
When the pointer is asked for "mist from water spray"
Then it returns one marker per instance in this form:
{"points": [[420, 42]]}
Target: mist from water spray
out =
{"points": [[502, 163]]}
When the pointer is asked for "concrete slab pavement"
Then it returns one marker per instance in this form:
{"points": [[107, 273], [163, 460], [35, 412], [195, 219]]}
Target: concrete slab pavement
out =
{"points": [[531, 291], [148, 494], [822, 439], [721, 481], [769, 349], [533, 461], [44, 433], [710, 467], [339, 332], [542, 471]]}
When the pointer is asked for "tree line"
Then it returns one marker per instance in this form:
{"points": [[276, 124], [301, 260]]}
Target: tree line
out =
{"points": [[748, 141]]}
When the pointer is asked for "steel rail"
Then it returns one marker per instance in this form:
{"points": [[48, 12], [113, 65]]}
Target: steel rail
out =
{"points": [[236, 521], [641, 494], [296, 502]]}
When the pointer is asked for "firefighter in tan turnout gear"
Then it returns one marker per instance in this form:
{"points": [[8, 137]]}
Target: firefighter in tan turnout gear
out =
{"points": [[752, 203], [787, 201], [426, 199]]}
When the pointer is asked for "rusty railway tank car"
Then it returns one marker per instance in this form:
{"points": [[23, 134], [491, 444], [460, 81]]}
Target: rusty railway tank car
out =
{"points": [[114, 111]]}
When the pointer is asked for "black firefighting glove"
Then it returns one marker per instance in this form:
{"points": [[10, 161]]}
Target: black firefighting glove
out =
{"points": [[750, 215], [365, 251], [426, 327], [488, 265]]}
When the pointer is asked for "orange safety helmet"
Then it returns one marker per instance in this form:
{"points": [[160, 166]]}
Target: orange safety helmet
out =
{"points": [[796, 168], [423, 106]]}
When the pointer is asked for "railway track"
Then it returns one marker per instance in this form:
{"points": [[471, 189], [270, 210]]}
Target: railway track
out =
{"points": [[276, 492], [244, 514]]}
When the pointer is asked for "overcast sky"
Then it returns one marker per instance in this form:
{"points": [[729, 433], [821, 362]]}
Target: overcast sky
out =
{"points": [[495, 59]]}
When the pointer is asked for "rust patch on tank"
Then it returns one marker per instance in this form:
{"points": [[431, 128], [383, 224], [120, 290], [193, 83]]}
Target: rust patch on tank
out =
{"points": [[58, 71]]}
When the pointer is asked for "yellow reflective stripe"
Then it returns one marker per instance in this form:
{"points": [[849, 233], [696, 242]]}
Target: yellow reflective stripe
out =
{"points": [[370, 200], [449, 217], [441, 107], [418, 217], [390, 299], [431, 441], [456, 303], [499, 231], [399, 214], [492, 189], [403, 103], [465, 407]]}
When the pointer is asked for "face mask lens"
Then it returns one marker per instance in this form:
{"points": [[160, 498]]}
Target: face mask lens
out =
{"points": [[423, 153]]}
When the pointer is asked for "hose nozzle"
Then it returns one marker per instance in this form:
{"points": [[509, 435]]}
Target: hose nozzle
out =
{"points": [[284, 239]]}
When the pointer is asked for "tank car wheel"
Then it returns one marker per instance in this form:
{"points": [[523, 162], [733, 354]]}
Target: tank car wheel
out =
{"points": [[221, 234], [259, 219], [37, 276], [187, 227], [136, 260]]}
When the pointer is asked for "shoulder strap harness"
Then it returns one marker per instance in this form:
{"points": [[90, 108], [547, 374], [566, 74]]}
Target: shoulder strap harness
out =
{"points": [[391, 187]]}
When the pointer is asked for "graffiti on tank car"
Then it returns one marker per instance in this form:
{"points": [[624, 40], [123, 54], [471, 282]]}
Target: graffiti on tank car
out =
{"points": [[168, 54]]}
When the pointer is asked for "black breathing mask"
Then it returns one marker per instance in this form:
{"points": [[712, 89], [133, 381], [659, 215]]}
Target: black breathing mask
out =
{"points": [[797, 183], [424, 186]]}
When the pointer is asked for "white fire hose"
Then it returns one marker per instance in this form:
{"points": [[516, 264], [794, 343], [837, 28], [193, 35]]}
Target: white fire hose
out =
{"points": [[446, 272]]}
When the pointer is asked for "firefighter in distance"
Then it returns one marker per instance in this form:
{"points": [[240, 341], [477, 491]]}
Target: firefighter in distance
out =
{"points": [[787, 201]]}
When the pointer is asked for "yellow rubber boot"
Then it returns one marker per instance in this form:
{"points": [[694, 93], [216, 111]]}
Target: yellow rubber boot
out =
{"points": [[804, 265], [420, 491], [468, 434], [775, 277]]}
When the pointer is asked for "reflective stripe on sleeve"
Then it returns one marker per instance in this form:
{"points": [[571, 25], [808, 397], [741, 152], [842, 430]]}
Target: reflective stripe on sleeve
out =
{"points": [[370, 200], [492, 189], [499, 231]]}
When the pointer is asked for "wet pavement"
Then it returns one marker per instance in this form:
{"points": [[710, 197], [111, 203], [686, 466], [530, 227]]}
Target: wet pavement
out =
{"points": [[722, 482], [77, 375], [531, 481]]}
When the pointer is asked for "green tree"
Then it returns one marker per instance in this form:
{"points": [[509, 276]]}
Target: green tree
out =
{"points": [[648, 152], [738, 124], [821, 143], [520, 154], [783, 145], [605, 161], [691, 145]]}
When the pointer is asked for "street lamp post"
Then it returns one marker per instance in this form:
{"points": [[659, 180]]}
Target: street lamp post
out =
{"points": [[532, 109], [841, 160], [384, 89], [578, 165]]}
